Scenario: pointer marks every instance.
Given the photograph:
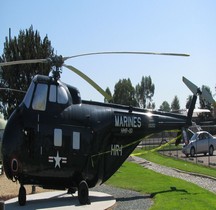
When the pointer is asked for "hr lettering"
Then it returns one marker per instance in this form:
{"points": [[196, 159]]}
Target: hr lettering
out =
{"points": [[116, 150]]}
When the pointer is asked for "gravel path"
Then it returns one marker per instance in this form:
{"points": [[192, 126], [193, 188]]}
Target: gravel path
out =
{"points": [[126, 199], [202, 181]]}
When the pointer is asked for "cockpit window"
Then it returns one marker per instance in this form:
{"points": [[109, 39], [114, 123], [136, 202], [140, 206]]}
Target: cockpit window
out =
{"points": [[58, 94], [53, 93], [28, 96], [40, 97], [62, 95]]}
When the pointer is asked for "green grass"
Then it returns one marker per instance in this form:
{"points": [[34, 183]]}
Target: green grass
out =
{"points": [[167, 192], [176, 163]]}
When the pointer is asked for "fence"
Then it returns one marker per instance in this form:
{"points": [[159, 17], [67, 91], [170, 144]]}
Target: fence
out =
{"points": [[164, 143]]}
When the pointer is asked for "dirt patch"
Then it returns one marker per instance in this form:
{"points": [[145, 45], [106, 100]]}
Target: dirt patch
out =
{"points": [[9, 189]]}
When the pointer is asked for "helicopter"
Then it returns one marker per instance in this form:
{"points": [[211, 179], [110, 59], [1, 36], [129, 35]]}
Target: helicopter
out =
{"points": [[56, 140]]}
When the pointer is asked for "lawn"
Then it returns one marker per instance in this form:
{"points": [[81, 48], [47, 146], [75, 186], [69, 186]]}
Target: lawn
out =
{"points": [[175, 163], [167, 192]]}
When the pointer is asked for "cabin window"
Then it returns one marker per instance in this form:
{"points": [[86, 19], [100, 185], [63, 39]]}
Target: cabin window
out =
{"points": [[40, 97], [76, 140], [58, 94], [52, 95], [28, 96], [58, 137]]}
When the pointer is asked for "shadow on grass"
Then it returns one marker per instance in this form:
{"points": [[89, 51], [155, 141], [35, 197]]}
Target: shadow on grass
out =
{"points": [[133, 198], [172, 189]]}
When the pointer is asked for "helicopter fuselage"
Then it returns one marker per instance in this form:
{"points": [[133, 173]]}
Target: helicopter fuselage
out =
{"points": [[55, 140]]}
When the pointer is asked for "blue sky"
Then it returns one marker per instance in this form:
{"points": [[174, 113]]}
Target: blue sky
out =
{"points": [[75, 27]]}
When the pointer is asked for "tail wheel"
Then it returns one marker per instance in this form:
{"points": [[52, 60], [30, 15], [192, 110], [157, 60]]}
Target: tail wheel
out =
{"points": [[22, 196], [83, 193], [192, 152], [211, 150]]}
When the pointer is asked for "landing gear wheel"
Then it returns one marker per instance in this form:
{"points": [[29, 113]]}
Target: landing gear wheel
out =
{"points": [[22, 196], [83, 193]]}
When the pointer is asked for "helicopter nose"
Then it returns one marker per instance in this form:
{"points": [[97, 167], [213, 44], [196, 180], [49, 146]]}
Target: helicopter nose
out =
{"points": [[11, 148]]}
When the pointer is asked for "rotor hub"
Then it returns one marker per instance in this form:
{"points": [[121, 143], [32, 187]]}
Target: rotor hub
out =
{"points": [[56, 61]]}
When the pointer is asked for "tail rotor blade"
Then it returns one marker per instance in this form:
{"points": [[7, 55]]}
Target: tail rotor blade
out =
{"points": [[204, 93], [194, 89], [90, 81], [207, 96]]}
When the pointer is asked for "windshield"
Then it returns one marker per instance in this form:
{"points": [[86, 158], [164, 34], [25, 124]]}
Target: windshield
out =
{"points": [[28, 96], [40, 97], [41, 92]]}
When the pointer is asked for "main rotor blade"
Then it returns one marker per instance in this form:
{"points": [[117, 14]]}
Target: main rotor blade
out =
{"points": [[13, 90], [90, 81], [11, 63], [126, 52], [55, 60]]}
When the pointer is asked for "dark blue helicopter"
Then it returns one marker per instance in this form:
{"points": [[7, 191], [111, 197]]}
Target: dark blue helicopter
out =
{"points": [[55, 140]]}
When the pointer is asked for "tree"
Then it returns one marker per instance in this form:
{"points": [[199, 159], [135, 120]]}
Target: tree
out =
{"points": [[109, 93], [203, 103], [145, 92], [124, 93], [151, 105], [165, 106], [27, 45], [175, 104]]}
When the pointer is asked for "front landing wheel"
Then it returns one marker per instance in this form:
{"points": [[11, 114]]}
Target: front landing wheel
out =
{"points": [[83, 193], [22, 196]]}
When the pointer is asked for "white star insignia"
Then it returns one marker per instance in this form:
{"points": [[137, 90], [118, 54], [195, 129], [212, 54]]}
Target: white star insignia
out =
{"points": [[58, 160]]}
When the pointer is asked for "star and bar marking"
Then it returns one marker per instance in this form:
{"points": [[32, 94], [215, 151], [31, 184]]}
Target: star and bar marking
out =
{"points": [[57, 159]]}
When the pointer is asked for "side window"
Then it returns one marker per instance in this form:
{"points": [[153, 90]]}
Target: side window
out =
{"points": [[208, 136], [57, 137], [40, 97], [76, 140], [62, 95], [202, 136], [58, 94], [53, 94]]}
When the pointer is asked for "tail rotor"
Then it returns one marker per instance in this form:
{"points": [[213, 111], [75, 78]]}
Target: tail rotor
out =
{"points": [[196, 91]]}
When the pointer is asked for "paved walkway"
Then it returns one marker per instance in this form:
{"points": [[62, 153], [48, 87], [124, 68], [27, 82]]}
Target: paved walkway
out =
{"points": [[61, 200]]}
